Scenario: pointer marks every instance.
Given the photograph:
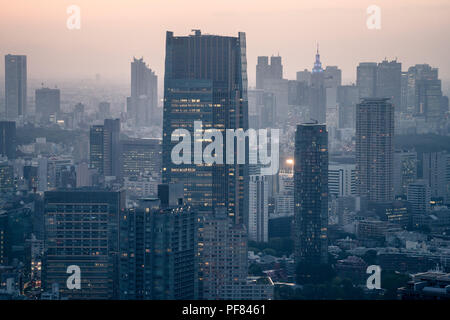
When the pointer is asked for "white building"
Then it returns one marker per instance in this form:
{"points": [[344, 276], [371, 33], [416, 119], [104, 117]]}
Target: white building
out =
{"points": [[342, 179]]}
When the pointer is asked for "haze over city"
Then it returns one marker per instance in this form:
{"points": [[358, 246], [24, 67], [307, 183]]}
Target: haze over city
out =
{"points": [[113, 31]]}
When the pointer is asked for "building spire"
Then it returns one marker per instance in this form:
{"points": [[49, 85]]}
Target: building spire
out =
{"points": [[317, 63]]}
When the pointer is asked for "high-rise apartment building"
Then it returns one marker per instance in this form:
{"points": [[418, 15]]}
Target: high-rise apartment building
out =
{"points": [[143, 101], [258, 216], [375, 149], [366, 79], [311, 193], [158, 252]]}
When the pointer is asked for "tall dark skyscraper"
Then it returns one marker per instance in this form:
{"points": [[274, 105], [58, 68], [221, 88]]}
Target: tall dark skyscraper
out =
{"points": [[311, 193], [15, 86], [48, 102], [318, 111], [144, 93], [82, 229], [206, 80], [104, 147], [375, 149], [8, 139]]}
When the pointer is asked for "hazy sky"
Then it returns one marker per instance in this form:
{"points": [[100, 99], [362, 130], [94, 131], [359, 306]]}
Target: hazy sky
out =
{"points": [[113, 31]]}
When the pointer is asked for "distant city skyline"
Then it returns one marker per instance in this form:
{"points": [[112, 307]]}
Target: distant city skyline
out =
{"points": [[411, 31]]}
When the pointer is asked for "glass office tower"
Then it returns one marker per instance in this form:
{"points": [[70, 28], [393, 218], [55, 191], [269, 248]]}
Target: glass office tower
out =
{"points": [[206, 80]]}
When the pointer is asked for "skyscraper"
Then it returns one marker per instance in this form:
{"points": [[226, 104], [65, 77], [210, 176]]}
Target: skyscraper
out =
{"points": [[366, 79], [144, 93], [223, 257], [47, 103], [416, 73], [311, 193], [375, 149], [104, 147], [8, 139], [206, 80], [82, 229], [15, 86]]}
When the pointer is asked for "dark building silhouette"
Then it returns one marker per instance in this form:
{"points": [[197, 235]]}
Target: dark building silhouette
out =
{"points": [[311, 193], [104, 147], [8, 139]]}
